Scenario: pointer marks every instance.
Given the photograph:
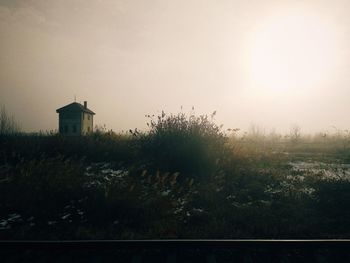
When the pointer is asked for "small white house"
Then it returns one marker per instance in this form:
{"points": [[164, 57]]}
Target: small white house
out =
{"points": [[75, 119]]}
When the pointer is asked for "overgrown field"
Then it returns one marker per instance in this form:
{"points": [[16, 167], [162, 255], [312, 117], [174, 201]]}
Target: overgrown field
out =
{"points": [[184, 178]]}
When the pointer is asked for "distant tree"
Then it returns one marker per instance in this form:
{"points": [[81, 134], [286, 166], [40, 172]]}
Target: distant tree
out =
{"points": [[295, 133], [256, 132], [8, 124]]}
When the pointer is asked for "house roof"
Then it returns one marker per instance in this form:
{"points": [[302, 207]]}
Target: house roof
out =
{"points": [[75, 106]]}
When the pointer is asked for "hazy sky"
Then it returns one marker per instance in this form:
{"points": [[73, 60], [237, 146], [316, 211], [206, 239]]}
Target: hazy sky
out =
{"points": [[271, 63]]}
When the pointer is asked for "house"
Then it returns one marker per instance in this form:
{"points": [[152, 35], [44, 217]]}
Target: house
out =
{"points": [[75, 119]]}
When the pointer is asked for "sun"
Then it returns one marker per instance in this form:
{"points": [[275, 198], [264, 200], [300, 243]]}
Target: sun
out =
{"points": [[291, 51]]}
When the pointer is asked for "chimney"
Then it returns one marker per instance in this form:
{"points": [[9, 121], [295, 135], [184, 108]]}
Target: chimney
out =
{"points": [[85, 104]]}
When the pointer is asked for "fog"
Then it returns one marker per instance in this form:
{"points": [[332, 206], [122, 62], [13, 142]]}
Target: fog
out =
{"points": [[132, 58]]}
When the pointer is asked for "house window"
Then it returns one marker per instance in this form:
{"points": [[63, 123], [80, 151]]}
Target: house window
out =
{"points": [[74, 128], [88, 129], [65, 129], [83, 115], [88, 116]]}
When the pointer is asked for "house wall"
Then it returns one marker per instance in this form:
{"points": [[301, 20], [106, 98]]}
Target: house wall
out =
{"points": [[70, 123], [87, 123]]}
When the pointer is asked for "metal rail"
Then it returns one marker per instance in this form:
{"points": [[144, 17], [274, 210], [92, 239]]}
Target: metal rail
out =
{"points": [[178, 244], [175, 250]]}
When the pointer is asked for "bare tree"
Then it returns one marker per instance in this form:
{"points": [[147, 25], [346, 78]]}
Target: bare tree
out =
{"points": [[256, 131], [295, 133]]}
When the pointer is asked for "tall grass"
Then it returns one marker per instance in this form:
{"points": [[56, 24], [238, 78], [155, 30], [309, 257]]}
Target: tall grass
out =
{"points": [[8, 124]]}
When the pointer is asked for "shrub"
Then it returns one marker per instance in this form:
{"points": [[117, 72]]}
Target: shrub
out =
{"points": [[191, 145]]}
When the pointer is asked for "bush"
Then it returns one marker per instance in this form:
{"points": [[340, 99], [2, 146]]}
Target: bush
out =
{"points": [[190, 145]]}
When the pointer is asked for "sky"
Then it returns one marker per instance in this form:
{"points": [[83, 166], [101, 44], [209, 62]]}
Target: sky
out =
{"points": [[273, 64]]}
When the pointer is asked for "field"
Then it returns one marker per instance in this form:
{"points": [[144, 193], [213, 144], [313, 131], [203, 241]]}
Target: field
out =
{"points": [[184, 178]]}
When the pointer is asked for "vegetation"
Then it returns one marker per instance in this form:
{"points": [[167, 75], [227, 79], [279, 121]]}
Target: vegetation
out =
{"points": [[8, 125], [187, 144], [184, 178]]}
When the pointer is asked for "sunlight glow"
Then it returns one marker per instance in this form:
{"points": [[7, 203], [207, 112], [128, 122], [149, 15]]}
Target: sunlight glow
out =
{"points": [[291, 52]]}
